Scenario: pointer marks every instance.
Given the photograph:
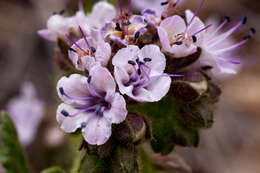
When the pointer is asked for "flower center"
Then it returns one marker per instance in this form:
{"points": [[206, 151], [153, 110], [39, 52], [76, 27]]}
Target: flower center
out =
{"points": [[94, 103], [140, 77]]}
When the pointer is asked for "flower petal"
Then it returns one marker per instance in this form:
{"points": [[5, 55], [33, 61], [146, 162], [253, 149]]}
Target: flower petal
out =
{"points": [[122, 77], [158, 62], [164, 39], [102, 12], [74, 86], [173, 25], [70, 124], [103, 53], [102, 80], [47, 34], [154, 92], [117, 113], [124, 55], [97, 130]]}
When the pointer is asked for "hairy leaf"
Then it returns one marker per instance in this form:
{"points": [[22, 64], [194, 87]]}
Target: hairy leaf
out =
{"points": [[53, 170], [11, 153], [168, 127]]}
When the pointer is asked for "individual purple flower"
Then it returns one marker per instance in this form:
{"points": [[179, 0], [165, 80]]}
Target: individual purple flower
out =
{"points": [[179, 39], [89, 51], [90, 103], [125, 28], [139, 73], [26, 112], [59, 26], [218, 49]]}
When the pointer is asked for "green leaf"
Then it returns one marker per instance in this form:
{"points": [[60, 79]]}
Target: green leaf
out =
{"points": [[168, 127], [53, 170], [12, 155], [146, 163]]}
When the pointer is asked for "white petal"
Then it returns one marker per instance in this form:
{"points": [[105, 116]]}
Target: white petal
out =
{"points": [[102, 12], [74, 86], [173, 25], [154, 92], [102, 80], [70, 124], [117, 113], [122, 77], [124, 55], [158, 62], [97, 131], [47, 34]]}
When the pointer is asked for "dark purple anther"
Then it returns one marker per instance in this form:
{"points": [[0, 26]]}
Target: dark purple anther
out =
{"points": [[89, 79], [65, 113]]}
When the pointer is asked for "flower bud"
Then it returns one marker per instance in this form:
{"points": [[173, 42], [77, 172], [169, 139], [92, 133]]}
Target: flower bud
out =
{"points": [[134, 129], [190, 87], [174, 64]]}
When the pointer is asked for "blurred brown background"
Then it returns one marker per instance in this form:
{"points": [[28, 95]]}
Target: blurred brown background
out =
{"points": [[231, 146]]}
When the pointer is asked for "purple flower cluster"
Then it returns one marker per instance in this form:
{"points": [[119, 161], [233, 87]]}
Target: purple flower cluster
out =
{"points": [[126, 58]]}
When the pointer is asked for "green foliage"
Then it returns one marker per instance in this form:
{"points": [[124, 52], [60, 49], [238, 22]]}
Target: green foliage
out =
{"points": [[11, 153], [168, 127], [146, 164], [53, 170]]}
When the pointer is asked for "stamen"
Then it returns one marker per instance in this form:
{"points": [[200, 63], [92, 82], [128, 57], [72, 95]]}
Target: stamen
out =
{"points": [[253, 30], [75, 98], [137, 34], [61, 91], [244, 20], [203, 29], [73, 50], [129, 9], [131, 62], [73, 42], [83, 125], [118, 28], [93, 91], [196, 13], [178, 43], [139, 71], [85, 38], [226, 34], [62, 12], [121, 8], [127, 23], [175, 4], [65, 113], [227, 20], [80, 5], [93, 50], [147, 59], [194, 39], [82, 110], [234, 62], [98, 109], [245, 39], [89, 79], [164, 3]]}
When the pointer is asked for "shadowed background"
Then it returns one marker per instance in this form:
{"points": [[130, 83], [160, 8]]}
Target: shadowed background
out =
{"points": [[232, 145]]}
